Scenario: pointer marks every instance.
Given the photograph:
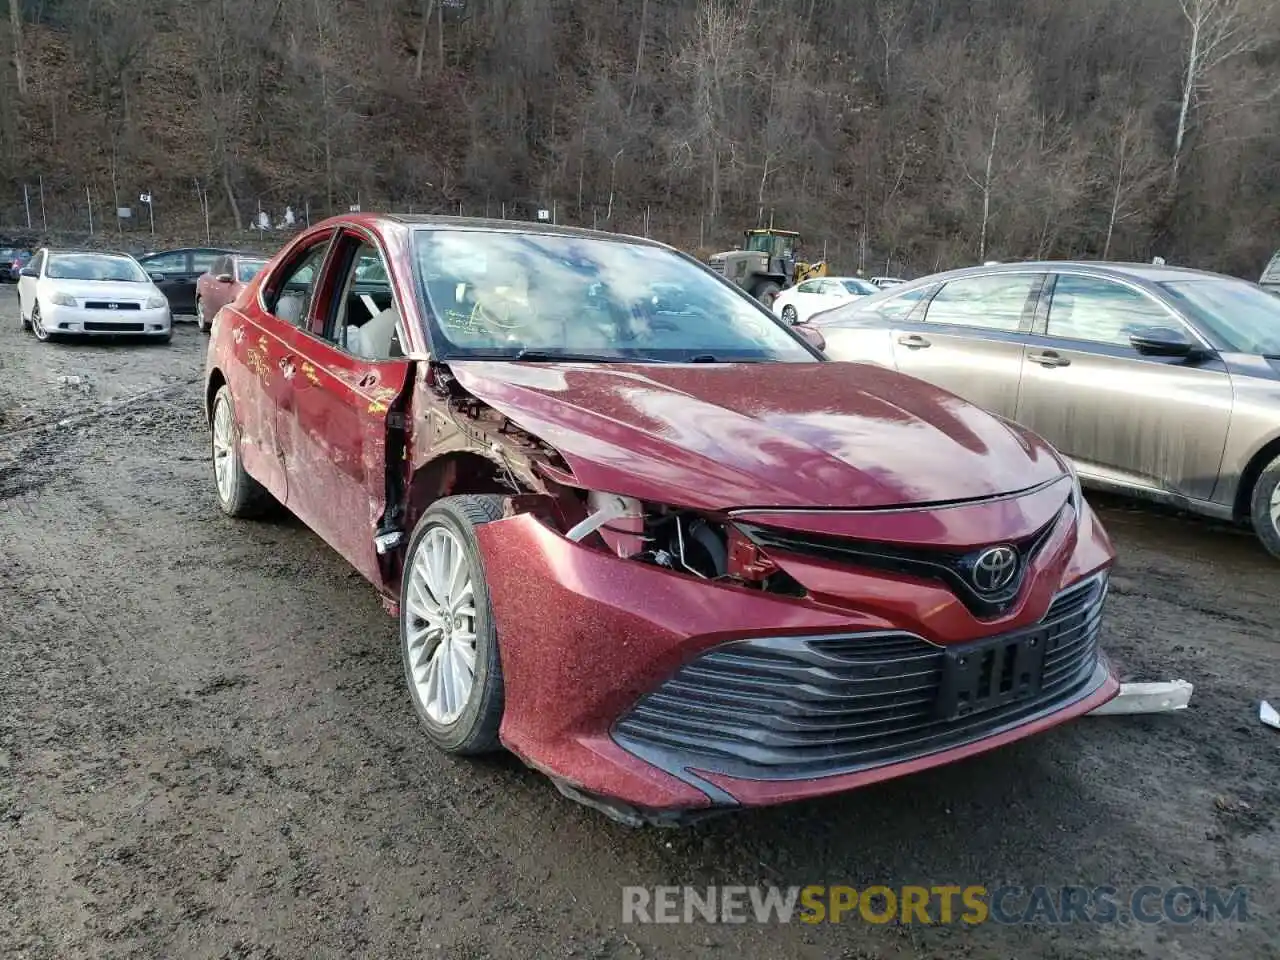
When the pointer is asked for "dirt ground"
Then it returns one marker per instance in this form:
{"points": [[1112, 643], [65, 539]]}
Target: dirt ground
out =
{"points": [[206, 749]]}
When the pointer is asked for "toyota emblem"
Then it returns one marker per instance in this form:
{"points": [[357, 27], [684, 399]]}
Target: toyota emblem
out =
{"points": [[994, 569]]}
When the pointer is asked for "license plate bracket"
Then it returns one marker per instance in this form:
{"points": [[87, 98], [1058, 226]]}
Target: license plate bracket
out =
{"points": [[987, 674]]}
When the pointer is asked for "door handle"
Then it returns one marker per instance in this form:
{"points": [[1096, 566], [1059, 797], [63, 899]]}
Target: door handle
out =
{"points": [[287, 367], [914, 341], [368, 380], [1049, 358]]}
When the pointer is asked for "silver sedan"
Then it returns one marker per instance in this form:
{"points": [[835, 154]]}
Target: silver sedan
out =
{"points": [[1157, 381]]}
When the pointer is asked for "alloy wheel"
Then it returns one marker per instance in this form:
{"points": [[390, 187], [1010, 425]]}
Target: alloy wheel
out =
{"points": [[441, 625], [37, 325], [1275, 507], [225, 453]]}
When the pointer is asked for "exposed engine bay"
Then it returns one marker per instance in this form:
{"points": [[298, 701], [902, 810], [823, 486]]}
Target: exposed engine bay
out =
{"points": [[537, 480]]}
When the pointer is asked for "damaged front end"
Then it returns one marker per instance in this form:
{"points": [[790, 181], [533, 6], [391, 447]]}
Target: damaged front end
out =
{"points": [[662, 662]]}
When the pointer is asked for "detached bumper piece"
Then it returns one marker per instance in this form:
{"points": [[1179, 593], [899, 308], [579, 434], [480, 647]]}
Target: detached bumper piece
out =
{"points": [[803, 708]]}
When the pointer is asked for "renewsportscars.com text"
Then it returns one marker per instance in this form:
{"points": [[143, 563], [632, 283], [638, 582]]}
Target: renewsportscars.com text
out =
{"points": [[973, 904]]}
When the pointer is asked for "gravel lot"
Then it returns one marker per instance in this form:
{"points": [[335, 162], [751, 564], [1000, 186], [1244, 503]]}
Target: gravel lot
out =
{"points": [[206, 749]]}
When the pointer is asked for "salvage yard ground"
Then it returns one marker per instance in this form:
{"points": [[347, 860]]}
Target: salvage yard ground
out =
{"points": [[206, 749]]}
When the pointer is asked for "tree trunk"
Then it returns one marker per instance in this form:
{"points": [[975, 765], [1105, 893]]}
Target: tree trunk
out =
{"points": [[1188, 89], [422, 38], [986, 190], [19, 62], [635, 76], [231, 198]]}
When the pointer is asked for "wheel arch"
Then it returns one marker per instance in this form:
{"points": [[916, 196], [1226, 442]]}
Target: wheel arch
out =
{"points": [[215, 383], [1249, 477], [455, 473]]}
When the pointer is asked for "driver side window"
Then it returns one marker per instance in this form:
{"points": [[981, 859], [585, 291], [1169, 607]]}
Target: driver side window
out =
{"points": [[365, 320], [294, 292]]}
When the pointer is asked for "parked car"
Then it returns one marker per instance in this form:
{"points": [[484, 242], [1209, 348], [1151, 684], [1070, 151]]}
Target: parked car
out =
{"points": [[88, 293], [176, 273], [796, 304], [225, 279], [1270, 279], [12, 260], [1160, 382], [621, 542]]}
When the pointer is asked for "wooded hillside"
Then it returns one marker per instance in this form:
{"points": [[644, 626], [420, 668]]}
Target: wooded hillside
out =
{"points": [[915, 133]]}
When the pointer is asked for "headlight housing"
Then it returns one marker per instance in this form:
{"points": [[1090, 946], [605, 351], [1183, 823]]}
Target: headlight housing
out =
{"points": [[158, 300], [62, 299], [1077, 494]]}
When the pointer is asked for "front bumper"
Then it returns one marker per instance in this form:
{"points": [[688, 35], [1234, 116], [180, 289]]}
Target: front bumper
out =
{"points": [[58, 319], [645, 691]]}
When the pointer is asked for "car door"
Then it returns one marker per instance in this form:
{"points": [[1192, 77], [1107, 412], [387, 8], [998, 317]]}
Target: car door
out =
{"points": [[332, 419], [969, 338], [1125, 418], [216, 293], [27, 285], [807, 299], [200, 262], [262, 335], [170, 271]]}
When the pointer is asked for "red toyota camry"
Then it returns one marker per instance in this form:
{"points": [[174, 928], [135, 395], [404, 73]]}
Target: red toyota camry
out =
{"points": [[641, 533]]}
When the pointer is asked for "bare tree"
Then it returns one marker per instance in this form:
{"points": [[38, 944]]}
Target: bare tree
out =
{"points": [[19, 61], [1217, 30]]}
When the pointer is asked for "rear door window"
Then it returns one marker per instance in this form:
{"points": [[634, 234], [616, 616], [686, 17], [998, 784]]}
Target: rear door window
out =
{"points": [[1001, 301]]}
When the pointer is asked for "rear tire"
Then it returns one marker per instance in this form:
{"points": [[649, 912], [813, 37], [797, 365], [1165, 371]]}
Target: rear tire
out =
{"points": [[766, 292], [1265, 508], [448, 640], [239, 495]]}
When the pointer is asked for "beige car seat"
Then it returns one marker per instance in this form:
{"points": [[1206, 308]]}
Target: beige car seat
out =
{"points": [[377, 333]]}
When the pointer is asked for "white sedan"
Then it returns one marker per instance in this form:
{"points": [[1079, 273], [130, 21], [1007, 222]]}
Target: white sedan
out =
{"points": [[86, 294], [797, 304]]}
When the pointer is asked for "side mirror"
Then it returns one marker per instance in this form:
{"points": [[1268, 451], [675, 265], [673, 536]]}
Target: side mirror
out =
{"points": [[811, 334], [156, 277], [27, 272], [1163, 342], [223, 278]]}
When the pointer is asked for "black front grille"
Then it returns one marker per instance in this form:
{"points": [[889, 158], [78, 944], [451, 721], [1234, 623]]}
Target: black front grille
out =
{"points": [[114, 327], [799, 707], [955, 568], [110, 305]]}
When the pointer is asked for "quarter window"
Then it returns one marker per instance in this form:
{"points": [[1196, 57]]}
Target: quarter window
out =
{"points": [[1088, 308], [202, 260], [995, 302], [166, 262], [897, 308]]}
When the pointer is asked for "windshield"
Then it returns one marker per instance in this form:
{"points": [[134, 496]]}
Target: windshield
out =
{"points": [[498, 294], [860, 287], [1243, 316], [93, 266], [248, 269]]}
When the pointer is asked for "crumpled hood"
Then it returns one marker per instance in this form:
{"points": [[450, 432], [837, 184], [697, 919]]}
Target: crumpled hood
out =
{"points": [[718, 437]]}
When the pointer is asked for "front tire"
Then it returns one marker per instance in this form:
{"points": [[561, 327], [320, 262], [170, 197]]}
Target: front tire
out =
{"points": [[201, 324], [1265, 508], [239, 495], [448, 640], [789, 315], [37, 326]]}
